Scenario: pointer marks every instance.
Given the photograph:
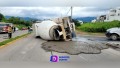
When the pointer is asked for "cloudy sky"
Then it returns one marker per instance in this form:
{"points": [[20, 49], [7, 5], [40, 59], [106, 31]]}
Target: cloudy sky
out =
{"points": [[56, 8]]}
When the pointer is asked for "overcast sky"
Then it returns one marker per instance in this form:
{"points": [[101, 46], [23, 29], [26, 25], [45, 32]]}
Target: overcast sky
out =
{"points": [[56, 8]]}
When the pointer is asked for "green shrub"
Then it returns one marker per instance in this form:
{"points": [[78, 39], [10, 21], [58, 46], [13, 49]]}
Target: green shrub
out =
{"points": [[77, 23], [99, 26], [21, 26]]}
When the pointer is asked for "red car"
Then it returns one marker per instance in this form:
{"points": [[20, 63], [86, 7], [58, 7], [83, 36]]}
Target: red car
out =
{"points": [[24, 28], [4, 27]]}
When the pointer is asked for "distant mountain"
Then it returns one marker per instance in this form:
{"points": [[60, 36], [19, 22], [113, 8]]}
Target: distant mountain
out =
{"points": [[86, 19], [23, 18], [8, 17]]}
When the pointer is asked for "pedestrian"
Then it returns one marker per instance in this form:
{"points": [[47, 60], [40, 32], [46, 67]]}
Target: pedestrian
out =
{"points": [[9, 32], [28, 29], [14, 28]]}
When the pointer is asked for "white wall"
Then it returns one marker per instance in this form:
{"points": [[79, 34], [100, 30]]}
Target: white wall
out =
{"points": [[116, 15]]}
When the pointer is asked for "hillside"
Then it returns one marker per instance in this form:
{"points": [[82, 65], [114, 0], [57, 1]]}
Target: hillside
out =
{"points": [[22, 18], [86, 19]]}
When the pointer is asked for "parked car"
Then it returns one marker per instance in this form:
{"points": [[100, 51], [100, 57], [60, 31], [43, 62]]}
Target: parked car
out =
{"points": [[113, 33], [31, 29], [4, 27], [24, 28], [16, 28]]}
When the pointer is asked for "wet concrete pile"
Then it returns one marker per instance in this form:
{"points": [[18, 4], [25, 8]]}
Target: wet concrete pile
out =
{"points": [[114, 46], [75, 47]]}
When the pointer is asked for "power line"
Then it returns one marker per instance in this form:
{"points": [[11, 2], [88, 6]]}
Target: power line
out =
{"points": [[65, 14], [68, 11], [63, 11]]}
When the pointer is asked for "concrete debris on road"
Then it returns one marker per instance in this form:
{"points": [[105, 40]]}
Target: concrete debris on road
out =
{"points": [[114, 46], [75, 47]]}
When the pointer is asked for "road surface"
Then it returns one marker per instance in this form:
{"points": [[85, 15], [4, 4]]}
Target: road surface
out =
{"points": [[17, 33], [97, 38], [27, 52]]}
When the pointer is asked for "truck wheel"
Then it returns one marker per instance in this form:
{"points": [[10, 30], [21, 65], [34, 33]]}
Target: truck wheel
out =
{"points": [[37, 37], [114, 37]]}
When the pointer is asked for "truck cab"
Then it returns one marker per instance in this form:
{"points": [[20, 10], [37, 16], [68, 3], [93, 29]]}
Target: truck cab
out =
{"points": [[113, 33]]}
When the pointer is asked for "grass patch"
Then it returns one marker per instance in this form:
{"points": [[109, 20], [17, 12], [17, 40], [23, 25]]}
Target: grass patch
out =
{"points": [[12, 39], [98, 27], [90, 33]]}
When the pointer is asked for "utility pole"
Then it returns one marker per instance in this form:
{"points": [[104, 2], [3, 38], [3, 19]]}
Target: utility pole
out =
{"points": [[61, 15], [71, 12]]}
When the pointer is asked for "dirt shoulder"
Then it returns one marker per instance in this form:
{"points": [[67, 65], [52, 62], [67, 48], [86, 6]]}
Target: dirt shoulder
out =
{"points": [[89, 33]]}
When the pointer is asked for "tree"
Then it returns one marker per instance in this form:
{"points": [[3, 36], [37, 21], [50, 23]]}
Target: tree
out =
{"points": [[77, 23], [1, 17], [17, 20]]}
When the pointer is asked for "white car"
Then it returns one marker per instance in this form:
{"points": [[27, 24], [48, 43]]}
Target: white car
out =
{"points": [[16, 28], [113, 33]]}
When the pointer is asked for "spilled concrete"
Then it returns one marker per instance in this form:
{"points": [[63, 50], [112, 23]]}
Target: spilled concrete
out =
{"points": [[114, 46], [76, 46]]}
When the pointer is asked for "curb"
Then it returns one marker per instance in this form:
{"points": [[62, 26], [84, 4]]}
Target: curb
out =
{"points": [[13, 41]]}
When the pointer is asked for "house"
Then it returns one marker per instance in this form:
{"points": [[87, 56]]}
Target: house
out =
{"points": [[81, 22], [113, 14]]}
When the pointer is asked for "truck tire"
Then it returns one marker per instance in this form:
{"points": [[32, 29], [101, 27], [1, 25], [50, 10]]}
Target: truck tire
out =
{"points": [[114, 37], [37, 37]]}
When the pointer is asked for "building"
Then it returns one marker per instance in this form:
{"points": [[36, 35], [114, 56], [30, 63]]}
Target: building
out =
{"points": [[113, 14], [101, 18], [81, 22]]}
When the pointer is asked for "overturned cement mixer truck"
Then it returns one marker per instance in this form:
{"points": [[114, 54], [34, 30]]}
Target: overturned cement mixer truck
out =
{"points": [[57, 29]]}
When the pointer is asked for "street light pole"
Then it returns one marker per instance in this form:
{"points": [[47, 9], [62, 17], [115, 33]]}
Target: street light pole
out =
{"points": [[71, 12]]}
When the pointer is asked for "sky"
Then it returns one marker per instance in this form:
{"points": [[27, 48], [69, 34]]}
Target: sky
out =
{"points": [[46, 9]]}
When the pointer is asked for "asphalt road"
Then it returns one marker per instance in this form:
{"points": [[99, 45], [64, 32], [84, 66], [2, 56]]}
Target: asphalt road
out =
{"points": [[97, 38], [27, 52], [4, 36]]}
